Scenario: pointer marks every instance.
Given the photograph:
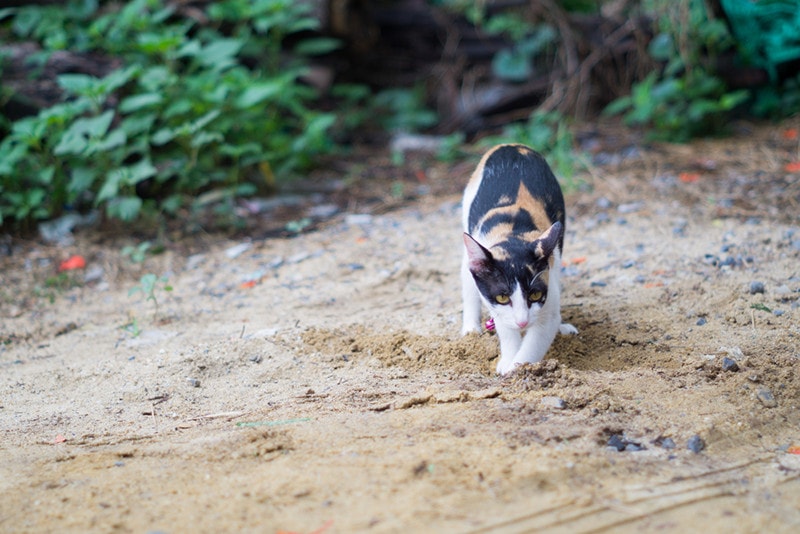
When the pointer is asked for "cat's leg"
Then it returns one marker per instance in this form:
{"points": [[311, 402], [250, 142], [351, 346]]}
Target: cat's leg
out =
{"points": [[471, 301], [510, 341], [567, 329], [536, 342]]}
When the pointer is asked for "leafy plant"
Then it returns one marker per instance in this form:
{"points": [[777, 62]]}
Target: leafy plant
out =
{"points": [[686, 98], [194, 109], [138, 253], [151, 285]]}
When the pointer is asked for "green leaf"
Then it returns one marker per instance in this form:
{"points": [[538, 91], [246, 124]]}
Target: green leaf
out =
{"points": [[257, 93], [139, 102], [76, 138], [220, 53], [204, 138], [7, 12], [76, 84], [512, 65], [317, 46], [81, 179], [661, 47], [137, 124], [156, 78], [114, 139], [618, 106], [163, 136], [124, 208]]}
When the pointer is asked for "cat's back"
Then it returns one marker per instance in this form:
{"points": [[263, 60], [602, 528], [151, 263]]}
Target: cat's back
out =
{"points": [[513, 181]]}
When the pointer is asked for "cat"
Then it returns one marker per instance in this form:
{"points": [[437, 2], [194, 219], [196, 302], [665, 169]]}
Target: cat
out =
{"points": [[513, 219]]}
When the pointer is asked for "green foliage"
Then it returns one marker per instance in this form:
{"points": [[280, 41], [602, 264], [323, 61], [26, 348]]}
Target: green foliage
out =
{"points": [[515, 63], [194, 108], [403, 109], [138, 253], [686, 98], [151, 286]]}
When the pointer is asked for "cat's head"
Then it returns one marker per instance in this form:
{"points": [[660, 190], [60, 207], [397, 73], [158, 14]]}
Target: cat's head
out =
{"points": [[513, 276]]}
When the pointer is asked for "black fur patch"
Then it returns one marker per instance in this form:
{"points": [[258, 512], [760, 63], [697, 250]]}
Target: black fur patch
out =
{"points": [[503, 171], [500, 277]]}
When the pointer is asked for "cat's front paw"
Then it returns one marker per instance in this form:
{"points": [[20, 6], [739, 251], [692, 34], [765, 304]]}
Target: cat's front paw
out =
{"points": [[503, 368], [567, 329], [470, 328]]}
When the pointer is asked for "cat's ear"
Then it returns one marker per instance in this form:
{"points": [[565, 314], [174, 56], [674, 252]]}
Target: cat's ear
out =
{"points": [[546, 243], [479, 256]]}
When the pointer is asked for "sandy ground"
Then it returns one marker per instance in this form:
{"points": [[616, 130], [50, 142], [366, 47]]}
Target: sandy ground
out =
{"points": [[319, 384]]}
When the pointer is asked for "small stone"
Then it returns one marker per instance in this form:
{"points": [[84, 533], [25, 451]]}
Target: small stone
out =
{"points": [[756, 287], [618, 442], [628, 264], [666, 443], [358, 218], [598, 283], [631, 207], [237, 250], [323, 211], [603, 203], [729, 365], [557, 403], [633, 447], [766, 397], [256, 358], [696, 444], [195, 383], [193, 261], [782, 289], [701, 321], [93, 274]]}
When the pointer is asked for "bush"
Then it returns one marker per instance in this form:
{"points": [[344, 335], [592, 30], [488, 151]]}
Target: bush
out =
{"points": [[187, 113], [686, 98]]}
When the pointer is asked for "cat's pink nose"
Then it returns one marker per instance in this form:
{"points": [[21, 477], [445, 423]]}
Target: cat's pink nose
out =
{"points": [[522, 324]]}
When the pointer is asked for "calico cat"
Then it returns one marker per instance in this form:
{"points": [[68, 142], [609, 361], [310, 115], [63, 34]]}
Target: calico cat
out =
{"points": [[513, 217]]}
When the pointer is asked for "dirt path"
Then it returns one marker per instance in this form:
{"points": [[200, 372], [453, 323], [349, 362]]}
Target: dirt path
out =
{"points": [[318, 384]]}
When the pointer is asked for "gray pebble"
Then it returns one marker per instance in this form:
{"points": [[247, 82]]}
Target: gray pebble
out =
{"points": [[766, 397], [696, 444], [701, 321], [618, 442], [256, 358], [556, 403], [323, 211], [756, 287], [603, 203], [666, 443], [777, 313], [729, 365], [598, 284], [631, 207], [195, 383]]}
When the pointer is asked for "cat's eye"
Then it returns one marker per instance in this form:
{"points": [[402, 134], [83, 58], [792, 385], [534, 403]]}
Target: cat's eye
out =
{"points": [[502, 299], [535, 296]]}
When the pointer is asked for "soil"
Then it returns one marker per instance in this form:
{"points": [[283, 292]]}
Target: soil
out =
{"points": [[318, 383]]}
